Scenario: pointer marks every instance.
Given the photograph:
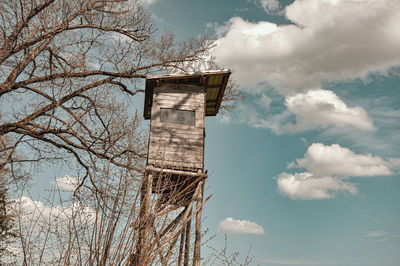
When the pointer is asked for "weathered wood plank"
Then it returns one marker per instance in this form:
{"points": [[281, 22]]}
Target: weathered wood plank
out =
{"points": [[167, 139], [175, 147], [171, 88], [176, 152], [179, 96], [183, 103], [175, 164], [177, 141], [176, 131], [176, 155], [187, 107], [197, 98], [169, 127]]}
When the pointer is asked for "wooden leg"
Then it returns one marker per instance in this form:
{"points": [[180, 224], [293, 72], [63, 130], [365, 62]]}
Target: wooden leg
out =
{"points": [[197, 244], [145, 223], [187, 242], [181, 245]]}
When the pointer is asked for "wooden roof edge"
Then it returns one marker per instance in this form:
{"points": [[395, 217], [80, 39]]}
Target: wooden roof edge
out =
{"points": [[222, 92], [189, 74]]}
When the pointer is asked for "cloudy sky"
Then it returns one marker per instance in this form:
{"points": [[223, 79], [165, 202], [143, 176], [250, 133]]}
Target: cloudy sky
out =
{"points": [[306, 171]]}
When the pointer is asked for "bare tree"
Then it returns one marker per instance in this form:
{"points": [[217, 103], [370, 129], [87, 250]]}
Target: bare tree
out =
{"points": [[69, 74], [67, 68]]}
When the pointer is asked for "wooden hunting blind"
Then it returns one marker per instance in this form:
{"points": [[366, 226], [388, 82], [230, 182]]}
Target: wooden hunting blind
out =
{"points": [[177, 105]]}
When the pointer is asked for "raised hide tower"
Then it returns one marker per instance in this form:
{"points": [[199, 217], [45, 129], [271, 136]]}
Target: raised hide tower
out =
{"points": [[177, 105]]}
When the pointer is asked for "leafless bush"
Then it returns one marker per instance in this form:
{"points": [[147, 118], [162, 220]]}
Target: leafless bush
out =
{"points": [[227, 257]]}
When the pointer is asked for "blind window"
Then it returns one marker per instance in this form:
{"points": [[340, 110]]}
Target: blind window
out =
{"points": [[179, 117]]}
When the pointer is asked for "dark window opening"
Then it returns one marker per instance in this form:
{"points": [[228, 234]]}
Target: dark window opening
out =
{"points": [[179, 117]]}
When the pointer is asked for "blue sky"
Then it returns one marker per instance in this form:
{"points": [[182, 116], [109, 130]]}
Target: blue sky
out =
{"points": [[306, 171]]}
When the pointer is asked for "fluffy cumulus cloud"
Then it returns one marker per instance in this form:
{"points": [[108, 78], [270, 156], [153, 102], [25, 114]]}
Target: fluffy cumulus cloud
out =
{"points": [[329, 169], [328, 41], [325, 160], [305, 186], [232, 226], [314, 109], [323, 108], [67, 183]]}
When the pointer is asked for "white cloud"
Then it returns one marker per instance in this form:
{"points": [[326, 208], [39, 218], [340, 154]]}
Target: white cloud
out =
{"points": [[148, 2], [305, 186], [329, 41], [315, 109], [323, 160], [329, 169], [269, 6], [37, 212], [41, 224], [323, 108], [67, 183], [225, 118], [375, 234], [264, 101], [255, 119], [394, 163], [232, 226]]}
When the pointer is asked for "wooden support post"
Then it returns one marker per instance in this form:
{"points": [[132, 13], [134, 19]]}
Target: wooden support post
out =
{"points": [[148, 222], [181, 245], [197, 244], [145, 222], [187, 241]]}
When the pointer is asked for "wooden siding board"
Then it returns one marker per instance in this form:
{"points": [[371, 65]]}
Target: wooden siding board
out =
{"points": [[181, 100], [193, 102], [181, 131], [175, 164], [177, 156], [173, 88], [180, 148], [195, 139], [178, 95], [182, 105], [161, 142]]}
